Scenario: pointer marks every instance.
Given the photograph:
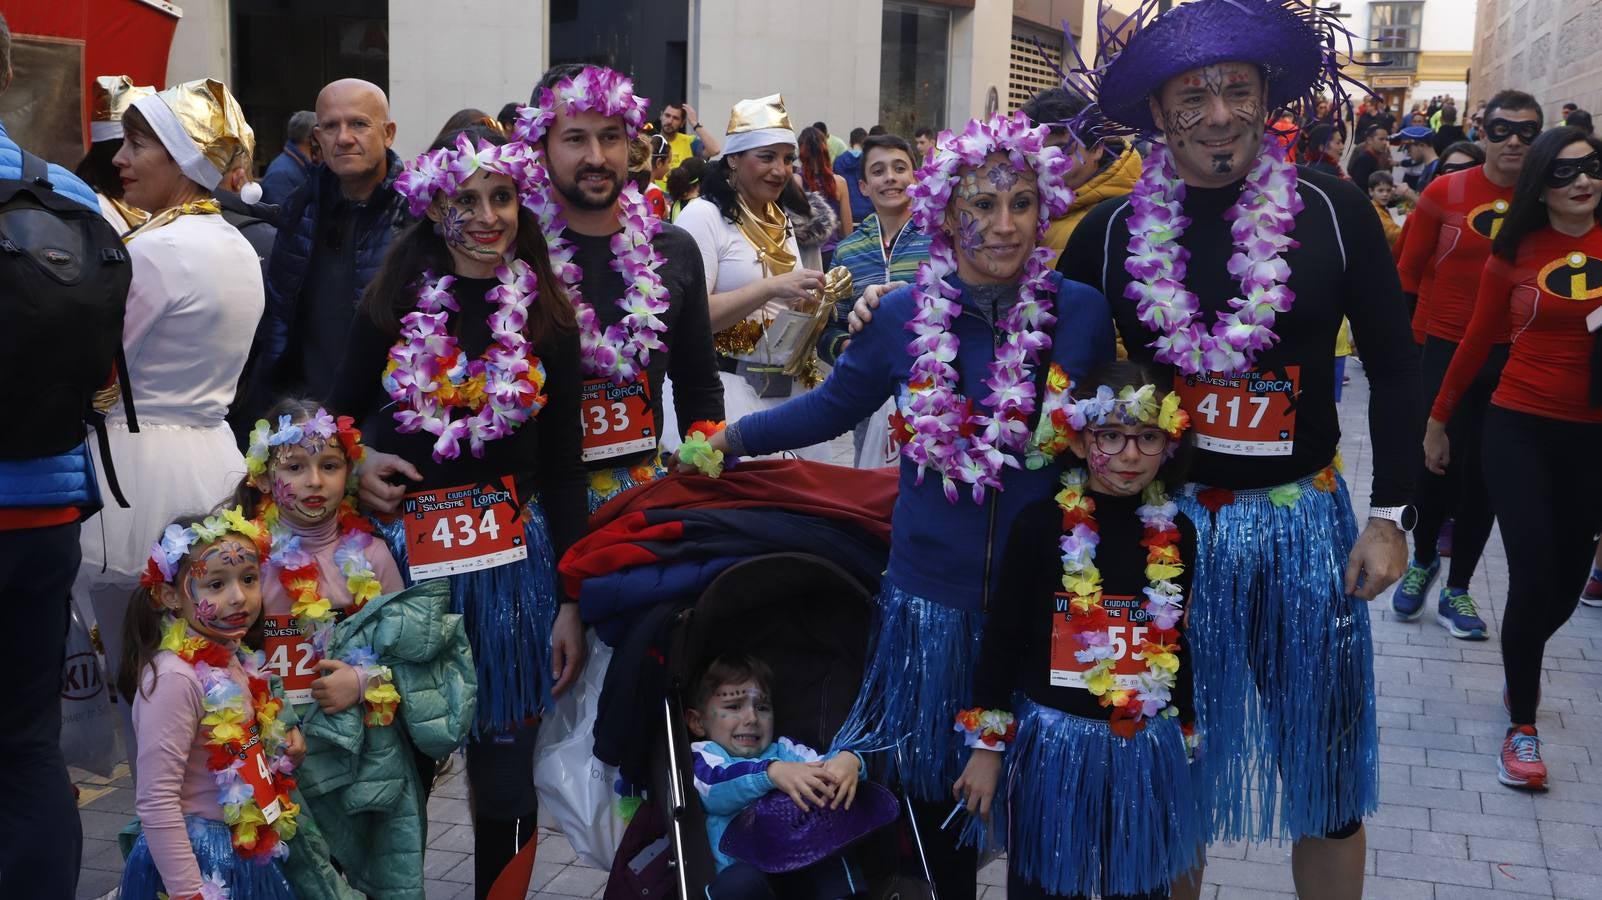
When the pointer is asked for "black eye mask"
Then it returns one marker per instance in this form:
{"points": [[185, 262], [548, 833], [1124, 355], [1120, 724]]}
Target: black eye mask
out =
{"points": [[1565, 171], [1499, 130]]}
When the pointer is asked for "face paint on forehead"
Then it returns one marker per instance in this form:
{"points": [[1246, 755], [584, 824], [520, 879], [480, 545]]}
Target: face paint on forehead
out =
{"points": [[1003, 176], [968, 188], [236, 554], [739, 694]]}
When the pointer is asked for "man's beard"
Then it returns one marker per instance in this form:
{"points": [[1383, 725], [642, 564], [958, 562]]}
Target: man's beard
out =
{"points": [[573, 194]]}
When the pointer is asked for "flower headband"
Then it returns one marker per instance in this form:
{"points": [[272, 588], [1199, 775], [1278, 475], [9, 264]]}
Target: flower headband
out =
{"points": [[165, 554], [1129, 406], [313, 434], [594, 89], [1025, 146], [445, 171]]}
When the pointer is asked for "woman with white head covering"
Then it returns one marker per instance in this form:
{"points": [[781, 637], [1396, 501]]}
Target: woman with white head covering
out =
{"points": [[753, 268], [112, 95], [192, 310]]}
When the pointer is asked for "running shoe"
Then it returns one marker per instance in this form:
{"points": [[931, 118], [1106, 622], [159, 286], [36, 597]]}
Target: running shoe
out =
{"points": [[1457, 614], [1520, 765], [1443, 542], [1408, 598], [1592, 595]]}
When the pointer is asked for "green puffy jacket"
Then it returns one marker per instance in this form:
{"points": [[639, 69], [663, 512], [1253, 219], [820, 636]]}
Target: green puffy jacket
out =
{"points": [[361, 782]]}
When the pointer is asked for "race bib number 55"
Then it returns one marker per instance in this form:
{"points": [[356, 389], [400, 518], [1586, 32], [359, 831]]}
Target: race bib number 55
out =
{"points": [[1252, 414], [1127, 626], [463, 529]]}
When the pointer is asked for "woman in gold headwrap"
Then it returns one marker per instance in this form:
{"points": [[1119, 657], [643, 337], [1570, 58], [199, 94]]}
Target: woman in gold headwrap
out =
{"points": [[751, 257], [193, 305], [112, 95]]}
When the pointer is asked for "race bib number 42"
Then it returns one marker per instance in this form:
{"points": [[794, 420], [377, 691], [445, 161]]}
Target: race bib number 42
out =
{"points": [[1253, 414], [290, 656], [617, 418], [463, 529]]}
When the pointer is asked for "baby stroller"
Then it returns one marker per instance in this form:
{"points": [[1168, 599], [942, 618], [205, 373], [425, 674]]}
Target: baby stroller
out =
{"points": [[809, 620]]}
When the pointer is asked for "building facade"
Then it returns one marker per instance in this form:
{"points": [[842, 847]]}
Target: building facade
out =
{"points": [[1419, 48], [1550, 48], [902, 63]]}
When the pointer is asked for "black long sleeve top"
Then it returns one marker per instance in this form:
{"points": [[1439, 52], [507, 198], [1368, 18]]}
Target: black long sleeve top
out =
{"points": [[1342, 267], [1016, 652], [543, 455], [690, 360]]}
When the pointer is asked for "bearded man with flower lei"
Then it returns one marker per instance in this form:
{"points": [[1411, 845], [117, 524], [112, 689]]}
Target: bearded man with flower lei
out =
{"points": [[1235, 268], [965, 354]]}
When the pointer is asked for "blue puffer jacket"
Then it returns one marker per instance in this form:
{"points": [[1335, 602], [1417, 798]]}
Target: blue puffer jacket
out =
{"points": [[383, 218], [67, 479]]}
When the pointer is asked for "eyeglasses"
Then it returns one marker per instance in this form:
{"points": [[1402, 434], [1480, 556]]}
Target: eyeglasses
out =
{"points": [[1149, 442], [1499, 130], [1565, 171]]}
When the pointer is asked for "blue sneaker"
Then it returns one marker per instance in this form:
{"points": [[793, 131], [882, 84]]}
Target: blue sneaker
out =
{"points": [[1457, 614], [1408, 598]]}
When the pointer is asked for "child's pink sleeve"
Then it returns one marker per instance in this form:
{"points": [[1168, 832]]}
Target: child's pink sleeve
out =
{"points": [[384, 567], [165, 723]]}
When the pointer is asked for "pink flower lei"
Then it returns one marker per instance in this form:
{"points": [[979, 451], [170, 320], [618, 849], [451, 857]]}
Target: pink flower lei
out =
{"points": [[948, 432], [623, 351], [427, 376], [445, 171], [1262, 221]]}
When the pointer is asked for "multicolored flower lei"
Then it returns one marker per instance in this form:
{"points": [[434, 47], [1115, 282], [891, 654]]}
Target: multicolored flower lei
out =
{"points": [[165, 554], [1061, 416], [312, 435], [943, 429], [1087, 618], [227, 729], [428, 377], [697, 448], [986, 729], [1262, 221], [620, 352]]}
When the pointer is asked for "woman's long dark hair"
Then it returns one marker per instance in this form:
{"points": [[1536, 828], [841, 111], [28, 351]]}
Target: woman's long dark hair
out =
{"points": [[97, 170], [393, 291], [718, 189], [1528, 212], [817, 175]]}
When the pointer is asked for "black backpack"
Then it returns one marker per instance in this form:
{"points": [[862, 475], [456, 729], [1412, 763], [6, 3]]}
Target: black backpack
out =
{"points": [[64, 276]]}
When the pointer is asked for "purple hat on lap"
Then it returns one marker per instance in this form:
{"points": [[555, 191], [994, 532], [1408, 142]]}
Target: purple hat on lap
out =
{"points": [[774, 835], [1293, 43]]}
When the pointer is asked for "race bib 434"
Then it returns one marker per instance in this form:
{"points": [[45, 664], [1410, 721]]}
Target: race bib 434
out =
{"points": [[463, 528]]}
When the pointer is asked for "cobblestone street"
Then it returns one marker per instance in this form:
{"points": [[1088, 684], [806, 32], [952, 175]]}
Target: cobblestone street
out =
{"points": [[1445, 828]]}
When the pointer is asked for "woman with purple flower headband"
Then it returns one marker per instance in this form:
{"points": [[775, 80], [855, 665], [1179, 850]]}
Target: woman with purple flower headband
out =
{"points": [[964, 354], [463, 370], [1235, 268]]}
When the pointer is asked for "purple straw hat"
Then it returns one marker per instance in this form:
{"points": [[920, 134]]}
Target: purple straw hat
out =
{"points": [[1290, 40], [775, 836]]}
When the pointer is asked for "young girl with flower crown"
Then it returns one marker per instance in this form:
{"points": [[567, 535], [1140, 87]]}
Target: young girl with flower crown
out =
{"points": [[363, 666], [1082, 686], [215, 754]]}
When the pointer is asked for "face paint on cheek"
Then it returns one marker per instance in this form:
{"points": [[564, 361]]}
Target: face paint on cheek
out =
{"points": [[283, 492], [969, 235], [452, 226]]}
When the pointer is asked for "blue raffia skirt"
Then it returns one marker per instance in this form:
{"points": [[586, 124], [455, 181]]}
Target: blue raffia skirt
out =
{"points": [[1088, 812], [1284, 664], [214, 851], [919, 675], [606, 484], [508, 612]]}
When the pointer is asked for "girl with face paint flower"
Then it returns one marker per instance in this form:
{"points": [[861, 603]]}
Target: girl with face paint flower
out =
{"points": [[216, 796]]}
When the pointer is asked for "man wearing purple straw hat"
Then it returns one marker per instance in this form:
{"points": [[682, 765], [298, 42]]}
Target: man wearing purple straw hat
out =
{"points": [[1236, 268]]}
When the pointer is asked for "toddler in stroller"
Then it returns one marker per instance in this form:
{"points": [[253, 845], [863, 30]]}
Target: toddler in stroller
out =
{"points": [[738, 762]]}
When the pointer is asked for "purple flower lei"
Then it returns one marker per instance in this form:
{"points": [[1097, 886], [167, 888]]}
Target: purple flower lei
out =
{"points": [[949, 433], [621, 352], [443, 171], [1262, 220], [427, 375]]}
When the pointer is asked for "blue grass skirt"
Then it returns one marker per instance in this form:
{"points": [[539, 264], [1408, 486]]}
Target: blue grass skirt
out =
{"points": [[214, 851], [1284, 666], [508, 612], [919, 675], [606, 484], [1089, 812]]}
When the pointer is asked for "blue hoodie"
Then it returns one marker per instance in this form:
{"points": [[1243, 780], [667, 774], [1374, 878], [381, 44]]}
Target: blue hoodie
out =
{"points": [[947, 553]]}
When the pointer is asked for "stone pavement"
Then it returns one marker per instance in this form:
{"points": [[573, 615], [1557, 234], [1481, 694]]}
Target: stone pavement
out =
{"points": [[1445, 829]]}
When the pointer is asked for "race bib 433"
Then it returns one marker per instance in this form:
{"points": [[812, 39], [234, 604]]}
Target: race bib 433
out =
{"points": [[617, 418]]}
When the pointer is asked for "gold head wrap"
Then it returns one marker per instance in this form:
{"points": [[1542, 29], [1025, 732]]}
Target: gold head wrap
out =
{"points": [[201, 125], [758, 123], [111, 96]]}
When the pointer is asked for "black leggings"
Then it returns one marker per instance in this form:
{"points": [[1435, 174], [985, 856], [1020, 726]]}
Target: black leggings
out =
{"points": [[501, 798], [1019, 889], [1547, 491], [1460, 493], [955, 869]]}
